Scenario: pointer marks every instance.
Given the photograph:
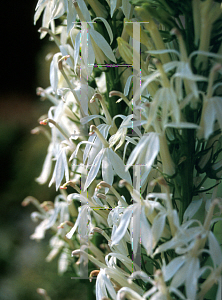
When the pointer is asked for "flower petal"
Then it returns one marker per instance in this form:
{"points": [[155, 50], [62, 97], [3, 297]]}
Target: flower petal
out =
{"points": [[119, 166], [94, 169]]}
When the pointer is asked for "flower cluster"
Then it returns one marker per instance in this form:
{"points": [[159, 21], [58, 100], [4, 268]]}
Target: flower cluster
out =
{"points": [[134, 146]]}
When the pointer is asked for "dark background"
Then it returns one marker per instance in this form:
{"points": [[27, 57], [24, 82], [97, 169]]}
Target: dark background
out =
{"points": [[23, 68]]}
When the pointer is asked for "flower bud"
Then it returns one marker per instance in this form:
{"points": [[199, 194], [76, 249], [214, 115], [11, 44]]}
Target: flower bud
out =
{"points": [[125, 50], [167, 162], [144, 38]]}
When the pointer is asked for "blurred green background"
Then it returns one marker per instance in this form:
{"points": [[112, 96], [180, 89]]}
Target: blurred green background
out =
{"points": [[23, 68]]}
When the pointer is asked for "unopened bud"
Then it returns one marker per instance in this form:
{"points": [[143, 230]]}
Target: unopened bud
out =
{"points": [[125, 50], [101, 196], [104, 184], [43, 122], [94, 273], [63, 187], [65, 223]]}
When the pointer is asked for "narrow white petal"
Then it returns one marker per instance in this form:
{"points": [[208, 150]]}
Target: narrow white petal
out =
{"points": [[215, 250], [47, 166], [113, 4], [172, 268], [192, 278], [84, 10], [109, 287], [76, 50], [180, 277], [192, 209], [107, 170], [158, 227], [119, 166], [108, 28], [122, 228], [59, 170], [54, 79], [102, 44], [71, 16], [146, 234], [136, 151], [64, 158], [100, 286], [72, 231], [135, 227], [94, 169]]}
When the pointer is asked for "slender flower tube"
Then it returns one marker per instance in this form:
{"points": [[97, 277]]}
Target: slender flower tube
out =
{"points": [[167, 162], [150, 25], [144, 39], [210, 11]]}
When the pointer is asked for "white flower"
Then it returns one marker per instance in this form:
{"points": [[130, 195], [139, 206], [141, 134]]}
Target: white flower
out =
{"points": [[184, 269], [111, 164], [136, 216], [103, 284], [144, 154], [120, 135], [47, 166], [129, 293], [82, 222], [212, 108], [159, 291], [212, 111], [56, 244], [61, 168], [50, 217], [97, 152]]}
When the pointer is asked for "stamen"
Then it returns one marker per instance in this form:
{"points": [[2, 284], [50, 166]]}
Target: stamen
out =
{"points": [[101, 196], [93, 129], [113, 190], [102, 232], [60, 66], [46, 121], [122, 97], [165, 80], [88, 256], [71, 183], [92, 274], [70, 224]]}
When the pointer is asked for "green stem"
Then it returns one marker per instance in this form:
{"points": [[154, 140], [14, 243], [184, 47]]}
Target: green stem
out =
{"points": [[113, 84], [186, 170]]}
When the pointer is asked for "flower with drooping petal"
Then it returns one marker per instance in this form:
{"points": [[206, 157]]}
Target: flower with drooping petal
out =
{"points": [[144, 153]]}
